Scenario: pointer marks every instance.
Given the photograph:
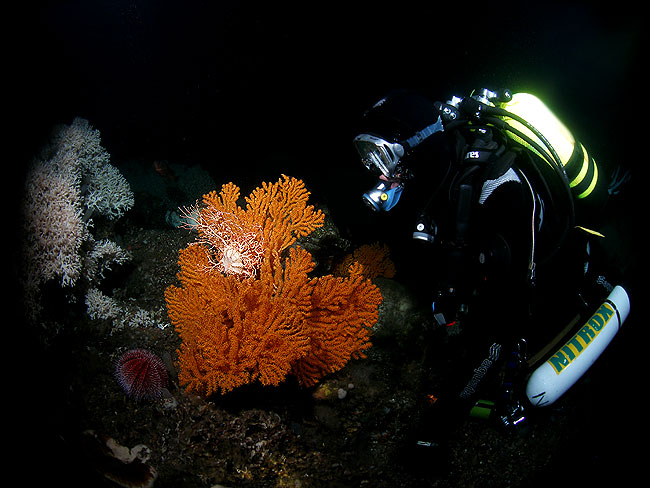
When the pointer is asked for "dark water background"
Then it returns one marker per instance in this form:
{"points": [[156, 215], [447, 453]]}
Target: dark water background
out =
{"points": [[253, 89]]}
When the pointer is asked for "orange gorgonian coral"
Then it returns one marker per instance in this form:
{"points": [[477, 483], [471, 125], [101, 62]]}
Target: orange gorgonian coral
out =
{"points": [[246, 308]]}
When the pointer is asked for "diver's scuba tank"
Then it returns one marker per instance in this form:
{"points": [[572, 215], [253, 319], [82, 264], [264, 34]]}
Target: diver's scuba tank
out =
{"points": [[568, 363], [561, 366], [581, 170]]}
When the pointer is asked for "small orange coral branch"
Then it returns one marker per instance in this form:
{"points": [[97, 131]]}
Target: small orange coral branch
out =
{"points": [[374, 258], [341, 314], [260, 321]]}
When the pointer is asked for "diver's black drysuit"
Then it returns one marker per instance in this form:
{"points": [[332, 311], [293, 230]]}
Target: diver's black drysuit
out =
{"points": [[510, 257]]}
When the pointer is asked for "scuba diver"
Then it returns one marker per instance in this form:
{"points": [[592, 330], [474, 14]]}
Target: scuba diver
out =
{"points": [[508, 226]]}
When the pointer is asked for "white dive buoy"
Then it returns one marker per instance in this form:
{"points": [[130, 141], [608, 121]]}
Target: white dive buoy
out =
{"points": [[554, 377]]}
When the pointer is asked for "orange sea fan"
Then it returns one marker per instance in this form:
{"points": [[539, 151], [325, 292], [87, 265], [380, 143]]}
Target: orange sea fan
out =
{"points": [[239, 328]]}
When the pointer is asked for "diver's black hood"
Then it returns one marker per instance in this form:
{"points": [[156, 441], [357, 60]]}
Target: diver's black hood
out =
{"points": [[398, 115]]}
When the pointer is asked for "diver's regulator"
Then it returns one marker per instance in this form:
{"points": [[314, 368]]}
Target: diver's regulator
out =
{"points": [[384, 195]]}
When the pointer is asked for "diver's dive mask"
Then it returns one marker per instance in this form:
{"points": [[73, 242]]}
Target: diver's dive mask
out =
{"points": [[378, 155], [383, 157]]}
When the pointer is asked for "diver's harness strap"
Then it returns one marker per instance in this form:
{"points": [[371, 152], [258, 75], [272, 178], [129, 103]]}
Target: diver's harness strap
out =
{"points": [[490, 185], [478, 113], [472, 110], [486, 165], [421, 135]]}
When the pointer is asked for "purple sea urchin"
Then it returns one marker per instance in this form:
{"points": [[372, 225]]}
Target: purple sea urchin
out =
{"points": [[141, 373]]}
